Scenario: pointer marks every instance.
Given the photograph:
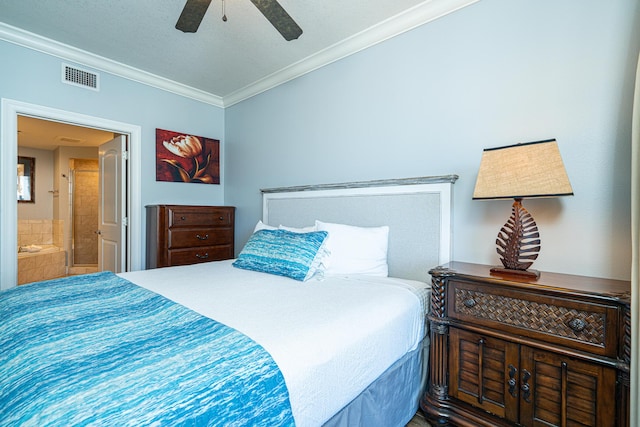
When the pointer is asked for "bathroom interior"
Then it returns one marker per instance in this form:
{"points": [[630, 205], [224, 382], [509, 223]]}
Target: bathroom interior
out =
{"points": [[58, 223]]}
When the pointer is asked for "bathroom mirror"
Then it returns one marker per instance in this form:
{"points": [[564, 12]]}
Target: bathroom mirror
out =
{"points": [[26, 182]]}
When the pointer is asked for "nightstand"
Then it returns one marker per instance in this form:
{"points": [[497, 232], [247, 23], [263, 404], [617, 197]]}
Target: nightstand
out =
{"points": [[510, 351]]}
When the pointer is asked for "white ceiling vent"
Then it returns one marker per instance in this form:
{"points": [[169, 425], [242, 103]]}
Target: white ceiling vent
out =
{"points": [[69, 140], [79, 77]]}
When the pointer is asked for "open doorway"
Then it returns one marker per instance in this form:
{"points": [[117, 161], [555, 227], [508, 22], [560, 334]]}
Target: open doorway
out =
{"points": [[11, 111], [58, 229]]}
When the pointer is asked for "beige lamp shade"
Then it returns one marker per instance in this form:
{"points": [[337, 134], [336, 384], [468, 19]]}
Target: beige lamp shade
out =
{"points": [[532, 169]]}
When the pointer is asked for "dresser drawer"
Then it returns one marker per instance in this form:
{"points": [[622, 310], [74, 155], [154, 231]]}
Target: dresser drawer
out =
{"points": [[189, 217], [574, 323], [195, 237], [201, 254]]}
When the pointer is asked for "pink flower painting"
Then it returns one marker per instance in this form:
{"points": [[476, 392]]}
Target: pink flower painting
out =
{"points": [[187, 158]]}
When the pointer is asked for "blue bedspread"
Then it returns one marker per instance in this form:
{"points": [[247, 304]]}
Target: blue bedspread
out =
{"points": [[99, 350]]}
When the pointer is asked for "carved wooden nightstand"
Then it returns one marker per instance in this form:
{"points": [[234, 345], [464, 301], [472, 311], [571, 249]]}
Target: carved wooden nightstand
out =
{"points": [[509, 351]]}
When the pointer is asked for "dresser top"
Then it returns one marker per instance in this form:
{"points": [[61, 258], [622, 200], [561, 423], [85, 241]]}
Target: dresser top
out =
{"points": [[561, 283]]}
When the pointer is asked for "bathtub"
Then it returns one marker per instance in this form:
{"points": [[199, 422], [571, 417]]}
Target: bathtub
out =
{"points": [[45, 249], [48, 263]]}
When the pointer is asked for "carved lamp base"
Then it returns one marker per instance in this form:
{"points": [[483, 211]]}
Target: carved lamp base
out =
{"points": [[521, 274], [518, 243]]}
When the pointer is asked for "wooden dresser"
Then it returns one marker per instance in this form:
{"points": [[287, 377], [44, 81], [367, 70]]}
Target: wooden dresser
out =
{"points": [[509, 351], [181, 235]]}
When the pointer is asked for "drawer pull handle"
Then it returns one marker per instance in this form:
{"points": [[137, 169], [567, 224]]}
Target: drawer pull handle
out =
{"points": [[205, 256], [577, 325], [526, 388], [205, 237], [221, 218], [512, 381], [470, 302], [183, 218]]}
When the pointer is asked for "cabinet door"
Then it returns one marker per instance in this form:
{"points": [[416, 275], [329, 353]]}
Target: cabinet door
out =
{"points": [[559, 391], [484, 372]]}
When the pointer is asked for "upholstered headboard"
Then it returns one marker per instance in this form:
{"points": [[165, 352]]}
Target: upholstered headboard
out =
{"points": [[417, 211]]}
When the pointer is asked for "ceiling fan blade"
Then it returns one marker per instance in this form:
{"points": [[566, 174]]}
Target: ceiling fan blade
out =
{"points": [[192, 15], [279, 18]]}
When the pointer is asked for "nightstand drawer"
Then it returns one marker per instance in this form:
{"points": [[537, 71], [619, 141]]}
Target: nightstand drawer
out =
{"points": [[573, 323], [186, 238], [188, 217]]}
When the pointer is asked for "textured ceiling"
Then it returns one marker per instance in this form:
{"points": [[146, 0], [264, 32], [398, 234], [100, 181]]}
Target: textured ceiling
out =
{"points": [[223, 59]]}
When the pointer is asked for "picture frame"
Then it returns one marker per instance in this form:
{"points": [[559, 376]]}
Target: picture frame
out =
{"points": [[182, 157], [26, 179]]}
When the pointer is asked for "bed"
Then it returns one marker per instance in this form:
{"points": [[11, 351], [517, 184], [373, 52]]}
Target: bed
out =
{"points": [[321, 335]]}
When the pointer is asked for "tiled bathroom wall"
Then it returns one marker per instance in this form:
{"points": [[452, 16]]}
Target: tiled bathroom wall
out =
{"points": [[40, 232], [85, 212]]}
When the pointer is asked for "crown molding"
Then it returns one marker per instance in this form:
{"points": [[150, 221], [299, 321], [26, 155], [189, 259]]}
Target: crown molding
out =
{"points": [[69, 53], [396, 25], [418, 15]]}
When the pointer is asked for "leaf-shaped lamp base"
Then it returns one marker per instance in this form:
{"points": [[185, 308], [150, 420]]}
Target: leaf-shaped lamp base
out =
{"points": [[518, 243], [529, 274]]}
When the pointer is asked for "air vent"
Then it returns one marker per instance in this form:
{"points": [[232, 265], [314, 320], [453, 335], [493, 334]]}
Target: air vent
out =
{"points": [[79, 77], [68, 140]]}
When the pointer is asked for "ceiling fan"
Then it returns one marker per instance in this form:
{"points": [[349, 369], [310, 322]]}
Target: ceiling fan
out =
{"points": [[194, 11]]}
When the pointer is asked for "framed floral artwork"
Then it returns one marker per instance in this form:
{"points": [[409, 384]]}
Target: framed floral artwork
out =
{"points": [[182, 157]]}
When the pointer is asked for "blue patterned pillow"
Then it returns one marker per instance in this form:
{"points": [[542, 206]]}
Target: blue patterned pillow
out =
{"points": [[282, 252]]}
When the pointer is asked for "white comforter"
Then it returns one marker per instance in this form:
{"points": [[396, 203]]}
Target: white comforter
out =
{"points": [[330, 337]]}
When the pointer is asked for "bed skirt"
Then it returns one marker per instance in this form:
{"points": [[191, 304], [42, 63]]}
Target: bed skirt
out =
{"points": [[391, 400]]}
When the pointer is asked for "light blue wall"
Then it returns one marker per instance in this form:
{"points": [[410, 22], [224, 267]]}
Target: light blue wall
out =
{"points": [[423, 103], [427, 102], [33, 77]]}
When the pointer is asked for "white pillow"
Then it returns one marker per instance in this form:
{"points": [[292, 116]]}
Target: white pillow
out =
{"points": [[355, 250], [308, 229], [262, 226]]}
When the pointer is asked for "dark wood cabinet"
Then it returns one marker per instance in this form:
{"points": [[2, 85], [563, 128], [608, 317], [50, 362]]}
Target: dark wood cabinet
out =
{"points": [[509, 351], [181, 235]]}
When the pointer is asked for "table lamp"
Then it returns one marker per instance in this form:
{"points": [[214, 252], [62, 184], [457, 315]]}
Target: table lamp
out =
{"points": [[531, 169]]}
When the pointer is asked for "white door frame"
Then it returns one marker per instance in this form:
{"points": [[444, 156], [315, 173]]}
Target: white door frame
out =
{"points": [[8, 180]]}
